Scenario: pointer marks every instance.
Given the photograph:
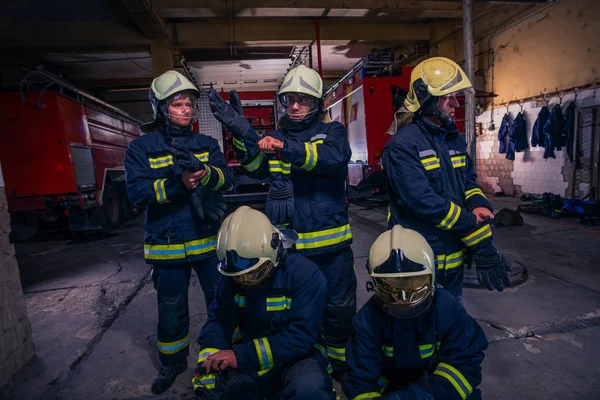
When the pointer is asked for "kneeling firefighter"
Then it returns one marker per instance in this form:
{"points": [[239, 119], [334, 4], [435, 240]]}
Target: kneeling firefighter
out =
{"points": [[176, 175], [261, 338], [432, 183], [411, 340]]}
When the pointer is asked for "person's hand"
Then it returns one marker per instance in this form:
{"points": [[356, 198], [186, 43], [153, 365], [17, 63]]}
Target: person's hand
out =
{"points": [[220, 361], [481, 213], [270, 145], [191, 180]]}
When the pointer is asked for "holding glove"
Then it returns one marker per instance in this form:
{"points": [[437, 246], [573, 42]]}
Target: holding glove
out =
{"points": [[185, 158], [231, 115], [491, 266], [412, 392], [280, 202], [209, 204]]}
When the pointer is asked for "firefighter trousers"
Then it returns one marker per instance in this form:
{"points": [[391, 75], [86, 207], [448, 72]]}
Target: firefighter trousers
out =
{"points": [[452, 281], [338, 268], [171, 284]]}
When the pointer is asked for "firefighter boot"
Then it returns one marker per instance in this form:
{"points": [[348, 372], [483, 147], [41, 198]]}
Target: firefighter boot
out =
{"points": [[166, 376]]}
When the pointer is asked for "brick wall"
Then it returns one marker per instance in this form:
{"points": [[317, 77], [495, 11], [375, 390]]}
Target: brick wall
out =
{"points": [[529, 172], [16, 346]]}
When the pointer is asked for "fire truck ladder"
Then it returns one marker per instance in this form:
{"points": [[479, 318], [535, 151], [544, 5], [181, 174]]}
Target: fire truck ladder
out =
{"points": [[39, 79]]}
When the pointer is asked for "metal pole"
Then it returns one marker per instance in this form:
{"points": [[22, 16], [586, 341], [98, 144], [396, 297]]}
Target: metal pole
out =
{"points": [[310, 60], [470, 71], [318, 33]]}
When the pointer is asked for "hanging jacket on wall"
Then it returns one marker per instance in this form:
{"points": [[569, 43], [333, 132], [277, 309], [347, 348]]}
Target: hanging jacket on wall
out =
{"points": [[503, 133], [537, 135], [553, 131], [569, 130], [517, 137]]}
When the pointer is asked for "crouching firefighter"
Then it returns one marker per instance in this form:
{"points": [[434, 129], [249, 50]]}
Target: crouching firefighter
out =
{"points": [[432, 183], [411, 340], [176, 175], [260, 338], [307, 162]]}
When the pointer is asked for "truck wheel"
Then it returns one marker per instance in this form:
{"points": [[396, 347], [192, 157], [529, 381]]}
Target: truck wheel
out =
{"points": [[110, 211]]}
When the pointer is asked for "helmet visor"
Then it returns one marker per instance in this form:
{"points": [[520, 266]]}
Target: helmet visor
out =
{"points": [[396, 263], [297, 106], [403, 292], [256, 276], [233, 263], [183, 106]]}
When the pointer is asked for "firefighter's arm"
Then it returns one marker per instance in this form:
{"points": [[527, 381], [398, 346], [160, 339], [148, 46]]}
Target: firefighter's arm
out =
{"points": [[216, 334], [364, 357], [142, 188], [460, 356], [474, 197], [406, 175], [252, 159], [218, 175], [295, 340], [329, 155]]}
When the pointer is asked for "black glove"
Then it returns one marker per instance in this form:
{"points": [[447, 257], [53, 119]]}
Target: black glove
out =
{"points": [[185, 158], [491, 268], [212, 203], [207, 394], [280, 202], [230, 115]]}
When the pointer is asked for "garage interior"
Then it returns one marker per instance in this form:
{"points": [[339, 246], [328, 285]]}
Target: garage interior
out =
{"points": [[78, 310]]}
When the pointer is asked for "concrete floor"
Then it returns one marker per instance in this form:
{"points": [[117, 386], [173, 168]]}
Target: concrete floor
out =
{"points": [[93, 313]]}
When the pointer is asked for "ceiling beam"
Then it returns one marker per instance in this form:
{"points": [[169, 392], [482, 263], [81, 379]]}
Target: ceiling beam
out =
{"points": [[151, 25]]}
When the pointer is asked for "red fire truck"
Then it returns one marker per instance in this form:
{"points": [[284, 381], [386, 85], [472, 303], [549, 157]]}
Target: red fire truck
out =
{"points": [[62, 153]]}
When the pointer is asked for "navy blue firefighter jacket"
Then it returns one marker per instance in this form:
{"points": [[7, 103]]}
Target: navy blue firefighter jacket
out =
{"points": [[537, 135], [553, 132], [517, 137], [272, 325], [503, 134], [433, 189], [316, 161], [444, 344], [174, 234]]}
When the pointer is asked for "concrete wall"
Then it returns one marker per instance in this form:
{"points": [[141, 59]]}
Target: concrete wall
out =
{"points": [[16, 346]]}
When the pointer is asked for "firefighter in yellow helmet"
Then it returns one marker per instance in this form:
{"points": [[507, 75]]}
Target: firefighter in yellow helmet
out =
{"points": [[262, 336], [411, 340], [306, 162], [432, 184]]}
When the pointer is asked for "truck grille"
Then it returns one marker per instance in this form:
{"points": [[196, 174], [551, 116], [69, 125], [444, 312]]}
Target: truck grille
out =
{"points": [[85, 176]]}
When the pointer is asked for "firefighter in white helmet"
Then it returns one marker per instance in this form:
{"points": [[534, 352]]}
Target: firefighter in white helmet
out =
{"points": [[411, 340], [306, 161], [179, 232], [261, 339], [432, 184]]}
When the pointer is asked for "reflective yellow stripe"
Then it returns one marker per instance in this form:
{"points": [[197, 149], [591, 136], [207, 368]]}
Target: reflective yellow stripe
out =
{"points": [[237, 336], [253, 166], [221, 181], [389, 216], [173, 347], [159, 190], [204, 381], [160, 162], [320, 347], [180, 250], [164, 251], [472, 192], [279, 303], [312, 155], [240, 300], [450, 218], [264, 371], [202, 157], [462, 386], [204, 353], [430, 163], [459, 161], [205, 178], [426, 350], [370, 395], [280, 166], [337, 353], [449, 261], [239, 144], [327, 237], [263, 350], [480, 234], [388, 351]]}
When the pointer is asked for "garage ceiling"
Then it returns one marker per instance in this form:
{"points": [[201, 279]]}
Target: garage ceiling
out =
{"points": [[105, 44]]}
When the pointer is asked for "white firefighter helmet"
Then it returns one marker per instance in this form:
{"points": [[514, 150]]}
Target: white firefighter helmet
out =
{"points": [[402, 267], [304, 85], [249, 246], [171, 85]]}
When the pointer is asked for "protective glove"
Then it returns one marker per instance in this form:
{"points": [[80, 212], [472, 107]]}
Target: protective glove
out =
{"points": [[207, 394], [213, 203], [412, 392], [492, 268], [230, 115], [240, 386], [185, 158], [279, 207]]}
